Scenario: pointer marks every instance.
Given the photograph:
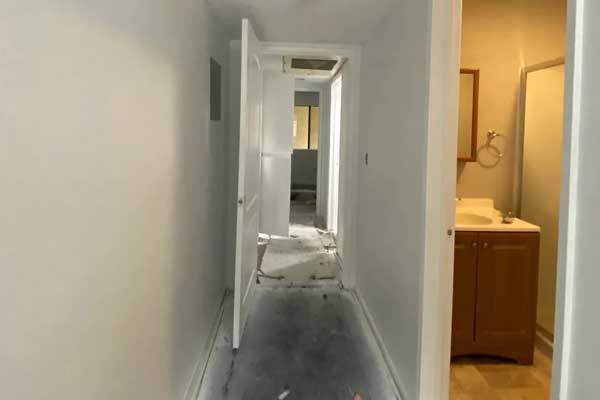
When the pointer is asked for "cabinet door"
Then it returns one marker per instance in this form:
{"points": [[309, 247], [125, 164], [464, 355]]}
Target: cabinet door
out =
{"points": [[464, 295], [507, 294]]}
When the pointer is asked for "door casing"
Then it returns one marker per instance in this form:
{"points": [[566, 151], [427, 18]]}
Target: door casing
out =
{"points": [[436, 290]]}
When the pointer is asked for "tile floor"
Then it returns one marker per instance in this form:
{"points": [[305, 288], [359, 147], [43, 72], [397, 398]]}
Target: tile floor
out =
{"points": [[492, 379]]}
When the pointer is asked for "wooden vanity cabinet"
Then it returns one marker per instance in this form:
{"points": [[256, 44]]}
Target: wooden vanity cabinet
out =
{"points": [[495, 294]]}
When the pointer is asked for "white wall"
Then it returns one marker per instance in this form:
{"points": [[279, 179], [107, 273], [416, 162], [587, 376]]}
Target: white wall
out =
{"points": [[111, 257], [582, 119], [324, 154], [394, 86]]}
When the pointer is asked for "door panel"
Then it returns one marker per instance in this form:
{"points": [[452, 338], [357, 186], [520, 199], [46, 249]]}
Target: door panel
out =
{"points": [[278, 123], [248, 179], [507, 292], [275, 197], [464, 294]]}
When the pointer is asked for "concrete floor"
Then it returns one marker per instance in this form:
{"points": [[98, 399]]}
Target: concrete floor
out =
{"points": [[306, 338], [310, 343]]}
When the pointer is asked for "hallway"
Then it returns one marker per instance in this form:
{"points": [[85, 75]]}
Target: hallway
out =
{"points": [[306, 337]]}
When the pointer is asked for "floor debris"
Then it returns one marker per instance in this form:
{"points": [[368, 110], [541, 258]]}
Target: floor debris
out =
{"points": [[307, 255]]}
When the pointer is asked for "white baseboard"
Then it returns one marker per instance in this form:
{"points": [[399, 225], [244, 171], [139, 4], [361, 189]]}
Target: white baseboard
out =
{"points": [[339, 260], [196, 382], [394, 377], [544, 341], [320, 222]]}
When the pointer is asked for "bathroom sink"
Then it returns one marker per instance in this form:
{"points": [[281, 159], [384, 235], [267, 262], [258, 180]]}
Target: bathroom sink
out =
{"points": [[472, 219]]}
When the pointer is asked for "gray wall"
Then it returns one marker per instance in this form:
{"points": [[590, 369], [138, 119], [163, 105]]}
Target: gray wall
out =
{"points": [[112, 197], [306, 99], [391, 192], [304, 168]]}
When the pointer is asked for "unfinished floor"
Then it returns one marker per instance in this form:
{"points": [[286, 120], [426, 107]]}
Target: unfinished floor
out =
{"points": [[300, 343], [306, 337], [308, 255]]}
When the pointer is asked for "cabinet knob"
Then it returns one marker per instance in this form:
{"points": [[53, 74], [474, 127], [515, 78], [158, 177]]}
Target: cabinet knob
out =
{"points": [[485, 245], [474, 244]]}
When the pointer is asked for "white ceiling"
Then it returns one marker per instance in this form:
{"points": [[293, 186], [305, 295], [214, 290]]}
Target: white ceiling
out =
{"points": [[309, 21]]}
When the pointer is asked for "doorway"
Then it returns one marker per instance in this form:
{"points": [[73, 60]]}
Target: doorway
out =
{"points": [[294, 249], [505, 145], [305, 156], [307, 255]]}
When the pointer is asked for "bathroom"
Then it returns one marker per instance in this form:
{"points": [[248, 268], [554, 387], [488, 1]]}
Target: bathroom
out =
{"points": [[508, 197]]}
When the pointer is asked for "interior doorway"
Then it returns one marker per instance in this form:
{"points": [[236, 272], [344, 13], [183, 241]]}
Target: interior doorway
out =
{"points": [[307, 130], [295, 245], [508, 192], [307, 255]]}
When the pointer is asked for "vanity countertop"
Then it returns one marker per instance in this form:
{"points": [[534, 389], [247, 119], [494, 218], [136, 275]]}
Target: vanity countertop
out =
{"points": [[479, 215]]}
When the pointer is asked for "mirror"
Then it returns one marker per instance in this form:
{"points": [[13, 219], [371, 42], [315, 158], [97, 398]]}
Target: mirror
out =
{"points": [[467, 114]]}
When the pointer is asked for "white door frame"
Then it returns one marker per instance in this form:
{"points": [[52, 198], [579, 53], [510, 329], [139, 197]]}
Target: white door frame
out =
{"points": [[520, 133], [349, 146], [333, 207], [436, 313]]}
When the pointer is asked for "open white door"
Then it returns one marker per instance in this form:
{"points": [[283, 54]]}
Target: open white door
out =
{"points": [[246, 245], [278, 126]]}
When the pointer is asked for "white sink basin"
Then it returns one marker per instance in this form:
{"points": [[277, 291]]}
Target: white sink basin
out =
{"points": [[479, 215], [472, 219]]}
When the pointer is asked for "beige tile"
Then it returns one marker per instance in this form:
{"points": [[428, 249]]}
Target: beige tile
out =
{"points": [[494, 379], [468, 379]]}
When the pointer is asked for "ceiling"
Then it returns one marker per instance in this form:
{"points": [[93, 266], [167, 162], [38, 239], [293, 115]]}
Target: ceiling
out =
{"points": [[308, 21]]}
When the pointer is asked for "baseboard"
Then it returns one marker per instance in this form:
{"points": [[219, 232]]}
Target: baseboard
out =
{"points": [[394, 377], [320, 222], [196, 382], [544, 341]]}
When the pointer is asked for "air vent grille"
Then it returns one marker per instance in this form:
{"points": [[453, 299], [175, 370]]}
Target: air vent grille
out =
{"points": [[319, 65]]}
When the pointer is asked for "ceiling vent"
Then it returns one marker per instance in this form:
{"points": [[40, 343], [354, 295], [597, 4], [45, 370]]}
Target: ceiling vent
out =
{"points": [[311, 64]]}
